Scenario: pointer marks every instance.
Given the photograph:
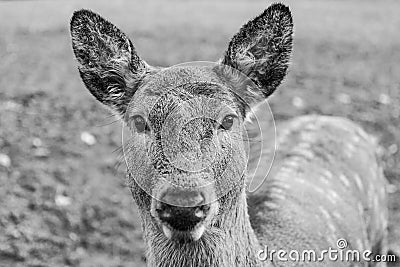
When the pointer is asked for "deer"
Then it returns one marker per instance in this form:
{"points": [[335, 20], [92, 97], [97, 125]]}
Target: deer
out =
{"points": [[187, 165]]}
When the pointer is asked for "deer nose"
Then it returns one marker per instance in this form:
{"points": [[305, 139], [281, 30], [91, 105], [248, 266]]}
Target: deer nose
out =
{"points": [[182, 197], [182, 209]]}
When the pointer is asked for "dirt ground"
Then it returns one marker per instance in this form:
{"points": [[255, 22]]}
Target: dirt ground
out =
{"points": [[63, 200]]}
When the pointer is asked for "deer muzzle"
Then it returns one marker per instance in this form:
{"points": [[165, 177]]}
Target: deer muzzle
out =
{"points": [[184, 212]]}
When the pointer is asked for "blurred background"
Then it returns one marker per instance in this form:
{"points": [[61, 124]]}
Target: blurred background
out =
{"points": [[63, 202]]}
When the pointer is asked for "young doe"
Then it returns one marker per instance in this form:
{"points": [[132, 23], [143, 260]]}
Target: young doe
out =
{"points": [[187, 163]]}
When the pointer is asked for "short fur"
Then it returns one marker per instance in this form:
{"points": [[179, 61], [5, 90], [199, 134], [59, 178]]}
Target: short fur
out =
{"points": [[326, 183]]}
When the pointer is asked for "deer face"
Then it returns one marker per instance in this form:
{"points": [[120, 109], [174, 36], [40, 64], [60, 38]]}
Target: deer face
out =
{"points": [[186, 158], [186, 149]]}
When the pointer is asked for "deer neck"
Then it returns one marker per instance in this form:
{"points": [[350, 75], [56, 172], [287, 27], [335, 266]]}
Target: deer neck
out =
{"points": [[232, 243]]}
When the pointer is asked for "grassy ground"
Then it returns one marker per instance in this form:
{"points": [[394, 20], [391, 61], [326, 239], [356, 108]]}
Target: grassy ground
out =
{"points": [[63, 202]]}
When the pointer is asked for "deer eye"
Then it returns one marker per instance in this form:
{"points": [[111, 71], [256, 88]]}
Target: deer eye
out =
{"points": [[227, 122], [140, 124]]}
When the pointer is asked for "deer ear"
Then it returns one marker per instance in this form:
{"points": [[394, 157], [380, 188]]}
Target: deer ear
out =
{"points": [[261, 50], [108, 63]]}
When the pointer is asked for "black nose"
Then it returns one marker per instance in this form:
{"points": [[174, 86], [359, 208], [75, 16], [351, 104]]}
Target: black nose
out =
{"points": [[182, 209]]}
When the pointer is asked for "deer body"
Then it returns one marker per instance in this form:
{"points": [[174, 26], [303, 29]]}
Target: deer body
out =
{"points": [[326, 184], [186, 158]]}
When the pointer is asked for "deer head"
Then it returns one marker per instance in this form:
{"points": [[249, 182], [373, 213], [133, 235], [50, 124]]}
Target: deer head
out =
{"points": [[186, 157]]}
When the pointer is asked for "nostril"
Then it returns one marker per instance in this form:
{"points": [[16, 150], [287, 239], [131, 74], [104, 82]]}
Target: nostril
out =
{"points": [[182, 218], [199, 213], [202, 211], [181, 208]]}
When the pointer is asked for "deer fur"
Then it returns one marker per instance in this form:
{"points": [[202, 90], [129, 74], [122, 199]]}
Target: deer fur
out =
{"points": [[326, 182]]}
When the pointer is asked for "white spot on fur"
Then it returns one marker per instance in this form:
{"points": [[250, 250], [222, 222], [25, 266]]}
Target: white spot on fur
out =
{"points": [[300, 180], [350, 148], [360, 208], [328, 174], [344, 180], [337, 215], [319, 190], [359, 182], [271, 205], [333, 196], [376, 202], [325, 212], [383, 220], [305, 152], [356, 138], [277, 193]]}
